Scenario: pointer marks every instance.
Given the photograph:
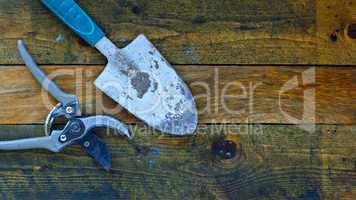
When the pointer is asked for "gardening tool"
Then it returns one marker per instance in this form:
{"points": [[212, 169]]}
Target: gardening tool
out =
{"points": [[137, 76], [77, 130]]}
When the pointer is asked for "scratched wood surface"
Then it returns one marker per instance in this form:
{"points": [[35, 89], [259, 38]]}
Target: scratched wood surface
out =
{"points": [[275, 61], [271, 162], [193, 31], [224, 94]]}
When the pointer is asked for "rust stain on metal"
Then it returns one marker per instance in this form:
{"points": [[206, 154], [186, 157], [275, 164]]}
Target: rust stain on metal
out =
{"points": [[141, 83], [156, 64], [155, 86]]}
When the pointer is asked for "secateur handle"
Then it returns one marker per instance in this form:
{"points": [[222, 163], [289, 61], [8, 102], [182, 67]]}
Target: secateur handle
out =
{"points": [[50, 143], [46, 83], [75, 129]]}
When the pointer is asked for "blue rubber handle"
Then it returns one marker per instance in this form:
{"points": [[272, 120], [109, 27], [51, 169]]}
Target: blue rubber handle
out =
{"points": [[76, 18]]}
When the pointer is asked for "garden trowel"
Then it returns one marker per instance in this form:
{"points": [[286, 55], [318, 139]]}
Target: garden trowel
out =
{"points": [[137, 76]]}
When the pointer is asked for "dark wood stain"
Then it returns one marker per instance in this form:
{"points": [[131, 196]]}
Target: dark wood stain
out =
{"points": [[136, 10], [333, 37], [351, 31]]}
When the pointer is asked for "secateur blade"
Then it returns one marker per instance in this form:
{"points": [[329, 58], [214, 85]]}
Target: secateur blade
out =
{"points": [[141, 80]]}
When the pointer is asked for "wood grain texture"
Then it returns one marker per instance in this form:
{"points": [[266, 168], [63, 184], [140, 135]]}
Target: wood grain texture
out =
{"points": [[272, 162], [250, 66], [191, 31], [224, 94]]}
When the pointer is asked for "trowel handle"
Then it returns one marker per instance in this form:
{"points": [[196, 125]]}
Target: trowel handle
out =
{"points": [[74, 17]]}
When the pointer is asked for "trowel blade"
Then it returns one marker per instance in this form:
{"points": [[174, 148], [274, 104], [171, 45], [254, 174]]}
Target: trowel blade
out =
{"points": [[141, 80]]}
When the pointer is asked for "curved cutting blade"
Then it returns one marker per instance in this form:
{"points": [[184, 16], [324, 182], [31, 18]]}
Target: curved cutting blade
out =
{"points": [[143, 82], [97, 149]]}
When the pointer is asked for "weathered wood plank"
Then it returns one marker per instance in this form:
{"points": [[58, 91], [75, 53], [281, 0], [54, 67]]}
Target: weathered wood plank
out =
{"points": [[224, 94], [271, 162], [192, 31]]}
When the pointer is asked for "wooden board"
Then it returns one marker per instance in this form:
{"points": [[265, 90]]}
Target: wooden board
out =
{"points": [[259, 94], [254, 67], [271, 162], [192, 31]]}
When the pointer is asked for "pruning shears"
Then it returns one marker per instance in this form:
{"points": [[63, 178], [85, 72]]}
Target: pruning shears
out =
{"points": [[78, 129]]}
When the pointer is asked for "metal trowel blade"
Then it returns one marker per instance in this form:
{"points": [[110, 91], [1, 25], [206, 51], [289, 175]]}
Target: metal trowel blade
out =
{"points": [[141, 80]]}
